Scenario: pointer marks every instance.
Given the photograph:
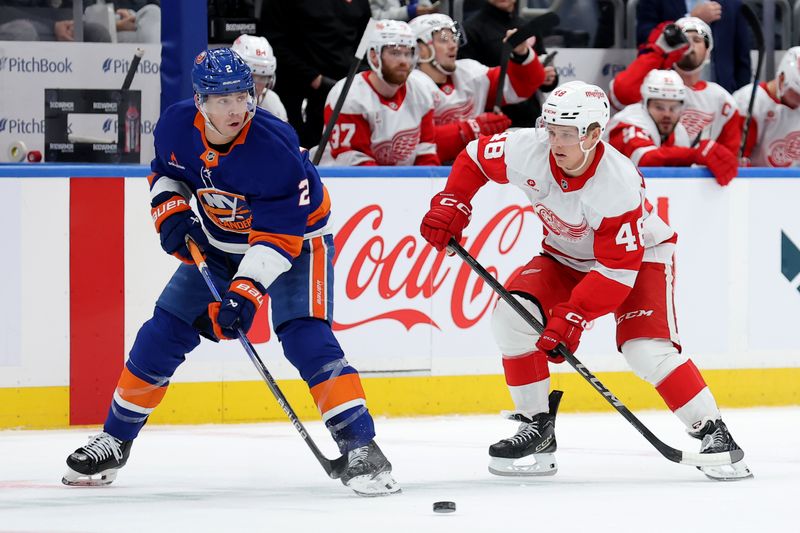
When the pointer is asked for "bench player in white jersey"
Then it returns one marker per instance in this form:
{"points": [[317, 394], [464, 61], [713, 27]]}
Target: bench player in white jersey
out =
{"points": [[387, 117], [710, 112], [257, 53], [466, 89], [773, 138], [651, 134], [603, 251]]}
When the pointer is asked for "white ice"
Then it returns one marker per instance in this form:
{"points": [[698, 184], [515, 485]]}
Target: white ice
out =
{"points": [[263, 478]]}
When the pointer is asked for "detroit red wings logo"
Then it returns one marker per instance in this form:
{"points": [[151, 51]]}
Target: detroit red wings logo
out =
{"points": [[556, 226], [455, 114], [785, 152], [400, 148], [695, 121]]}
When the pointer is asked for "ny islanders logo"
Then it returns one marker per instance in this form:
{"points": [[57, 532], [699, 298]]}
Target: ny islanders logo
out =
{"points": [[228, 211]]}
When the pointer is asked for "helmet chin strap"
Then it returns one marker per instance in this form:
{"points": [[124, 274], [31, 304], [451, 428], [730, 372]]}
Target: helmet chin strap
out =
{"points": [[432, 60], [586, 152]]}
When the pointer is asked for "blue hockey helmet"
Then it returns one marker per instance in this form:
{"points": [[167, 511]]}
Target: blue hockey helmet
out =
{"points": [[220, 71]]}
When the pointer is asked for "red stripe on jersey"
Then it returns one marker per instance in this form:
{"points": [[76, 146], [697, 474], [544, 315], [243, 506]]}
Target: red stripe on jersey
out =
{"points": [[465, 178], [525, 369], [681, 385], [351, 132]]}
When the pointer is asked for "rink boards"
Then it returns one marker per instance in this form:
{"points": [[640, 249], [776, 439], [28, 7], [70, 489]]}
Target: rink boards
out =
{"points": [[82, 267]]}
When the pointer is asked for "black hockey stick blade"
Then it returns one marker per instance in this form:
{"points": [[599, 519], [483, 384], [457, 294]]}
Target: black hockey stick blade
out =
{"points": [[535, 26], [676, 456], [755, 26], [333, 468]]}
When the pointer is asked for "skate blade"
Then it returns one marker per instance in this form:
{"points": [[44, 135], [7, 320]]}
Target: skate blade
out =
{"points": [[383, 484], [76, 479], [734, 472], [544, 465]]}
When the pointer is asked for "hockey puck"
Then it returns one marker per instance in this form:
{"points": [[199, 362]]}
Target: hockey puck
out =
{"points": [[444, 507]]}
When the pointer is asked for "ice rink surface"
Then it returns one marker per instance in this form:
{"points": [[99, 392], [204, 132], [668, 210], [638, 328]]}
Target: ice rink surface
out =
{"points": [[263, 478]]}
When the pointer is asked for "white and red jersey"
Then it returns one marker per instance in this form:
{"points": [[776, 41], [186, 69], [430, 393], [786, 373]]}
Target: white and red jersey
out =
{"points": [[635, 134], [270, 101], [598, 223], [472, 90], [374, 130], [773, 139], [709, 111]]}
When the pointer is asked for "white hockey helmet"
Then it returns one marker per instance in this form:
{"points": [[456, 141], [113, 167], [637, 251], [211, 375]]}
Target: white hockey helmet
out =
{"points": [[258, 55], [424, 26], [388, 32], [578, 104], [790, 68], [663, 85], [687, 24]]}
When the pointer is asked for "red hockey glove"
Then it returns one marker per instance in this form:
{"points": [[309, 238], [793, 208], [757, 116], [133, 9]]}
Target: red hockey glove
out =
{"points": [[174, 220], [446, 219], [719, 160], [483, 124], [660, 43], [237, 309], [565, 325]]}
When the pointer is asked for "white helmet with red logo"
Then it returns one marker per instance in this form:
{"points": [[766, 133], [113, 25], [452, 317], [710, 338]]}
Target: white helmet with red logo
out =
{"points": [[790, 68], [388, 32], [578, 104], [258, 55], [663, 85]]}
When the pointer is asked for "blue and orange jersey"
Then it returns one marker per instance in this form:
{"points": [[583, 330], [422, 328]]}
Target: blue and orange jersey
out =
{"points": [[262, 191]]}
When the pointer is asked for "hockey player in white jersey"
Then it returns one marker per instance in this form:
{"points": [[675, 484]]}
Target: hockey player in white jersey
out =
{"points": [[257, 53], [387, 117], [651, 134], [465, 90], [603, 251], [773, 138], [710, 112]]}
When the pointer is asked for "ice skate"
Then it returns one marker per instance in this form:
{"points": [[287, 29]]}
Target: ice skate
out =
{"points": [[368, 472], [530, 451], [97, 463], [716, 438]]}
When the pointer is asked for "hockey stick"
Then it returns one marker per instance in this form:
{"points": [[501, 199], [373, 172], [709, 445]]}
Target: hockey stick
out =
{"points": [[357, 59], [137, 57], [758, 34], [534, 27], [332, 468], [677, 456]]}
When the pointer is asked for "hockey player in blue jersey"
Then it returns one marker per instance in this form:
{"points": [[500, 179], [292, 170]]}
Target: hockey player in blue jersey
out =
{"points": [[264, 229]]}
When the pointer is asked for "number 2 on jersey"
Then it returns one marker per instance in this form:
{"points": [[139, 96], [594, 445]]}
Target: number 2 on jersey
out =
{"points": [[304, 193]]}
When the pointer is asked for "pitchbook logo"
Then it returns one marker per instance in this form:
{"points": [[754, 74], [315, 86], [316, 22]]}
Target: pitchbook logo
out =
{"points": [[115, 65], [790, 261]]}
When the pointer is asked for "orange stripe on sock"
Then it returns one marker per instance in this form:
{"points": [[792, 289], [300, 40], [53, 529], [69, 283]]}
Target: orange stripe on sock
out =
{"points": [[292, 244], [683, 384], [318, 287], [139, 392], [335, 392]]}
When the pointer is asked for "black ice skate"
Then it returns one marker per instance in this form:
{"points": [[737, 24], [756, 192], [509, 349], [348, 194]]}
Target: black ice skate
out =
{"points": [[368, 472], [530, 451], [97, 463], [714, 437]]}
